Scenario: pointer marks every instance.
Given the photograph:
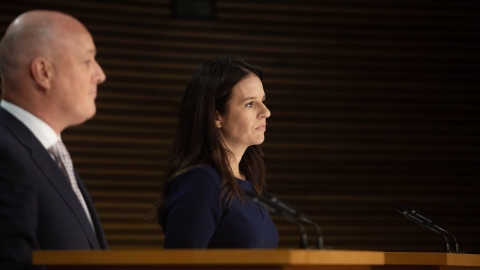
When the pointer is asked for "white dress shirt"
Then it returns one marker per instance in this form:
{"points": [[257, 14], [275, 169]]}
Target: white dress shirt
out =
{"points": [[42, 131]]}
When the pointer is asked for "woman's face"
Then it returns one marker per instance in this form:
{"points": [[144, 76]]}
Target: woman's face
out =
{"points": [[244, 122]]}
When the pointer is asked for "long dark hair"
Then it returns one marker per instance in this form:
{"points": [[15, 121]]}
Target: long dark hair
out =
{"points": [[198, 141]]}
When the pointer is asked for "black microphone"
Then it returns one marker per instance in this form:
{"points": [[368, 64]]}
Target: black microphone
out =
{"points": [[421, 222], [424, 221], [429, 222], [295, 212], [277, 210]]}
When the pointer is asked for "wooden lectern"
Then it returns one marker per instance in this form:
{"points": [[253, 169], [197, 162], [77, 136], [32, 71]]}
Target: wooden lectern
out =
{"points": [[285, 259], [427, 260]]}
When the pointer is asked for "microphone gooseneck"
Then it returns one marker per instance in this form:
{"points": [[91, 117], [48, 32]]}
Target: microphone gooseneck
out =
{"points": [[275, 209], [457, 250], [424, 221], [295, 212], [431, 223]]}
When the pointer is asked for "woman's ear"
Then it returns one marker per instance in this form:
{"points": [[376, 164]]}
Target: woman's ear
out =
{"points": [[42, 72], [218, 118]]}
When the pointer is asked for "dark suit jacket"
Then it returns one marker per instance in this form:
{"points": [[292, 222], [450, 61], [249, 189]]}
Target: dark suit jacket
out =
{"points": [[38, 208]]}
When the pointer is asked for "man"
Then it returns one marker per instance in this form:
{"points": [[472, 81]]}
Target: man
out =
{"points": [[49, 82]]}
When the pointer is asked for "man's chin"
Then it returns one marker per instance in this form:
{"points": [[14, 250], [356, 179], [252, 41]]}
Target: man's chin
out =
{"points": [[83, 118]]}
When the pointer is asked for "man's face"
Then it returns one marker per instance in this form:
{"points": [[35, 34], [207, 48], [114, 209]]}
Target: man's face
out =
{"points": [[76, 76]]}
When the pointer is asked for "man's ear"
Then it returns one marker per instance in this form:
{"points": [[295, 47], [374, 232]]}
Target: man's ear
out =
{"points": [[218, 122], [42, 72]]}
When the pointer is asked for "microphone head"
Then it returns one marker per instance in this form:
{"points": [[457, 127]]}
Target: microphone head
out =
{"points": [[424, 221], [257, 199], [405, 210], [292, 210], [420, 215]]}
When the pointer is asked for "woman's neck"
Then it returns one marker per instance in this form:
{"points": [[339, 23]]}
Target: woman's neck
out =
{"points": [[236, 171], [235, 158]]}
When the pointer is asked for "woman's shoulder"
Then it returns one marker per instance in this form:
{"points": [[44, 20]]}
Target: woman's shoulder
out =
{"points": [[202, 170], [202, 174]]}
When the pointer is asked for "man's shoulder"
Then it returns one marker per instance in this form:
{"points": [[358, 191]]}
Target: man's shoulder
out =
{"points": [[13, 132], [11, 148], [7, 135], [8, 124]]}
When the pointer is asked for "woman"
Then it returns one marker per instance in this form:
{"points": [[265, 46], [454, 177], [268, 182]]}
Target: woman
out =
{"points": [[214, 157]]}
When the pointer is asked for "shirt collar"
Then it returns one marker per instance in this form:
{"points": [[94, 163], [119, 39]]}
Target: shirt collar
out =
{"points": [[42, 131]]}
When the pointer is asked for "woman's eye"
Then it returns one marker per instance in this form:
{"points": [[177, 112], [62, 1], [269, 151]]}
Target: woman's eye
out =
{"points": [[250, 104]]}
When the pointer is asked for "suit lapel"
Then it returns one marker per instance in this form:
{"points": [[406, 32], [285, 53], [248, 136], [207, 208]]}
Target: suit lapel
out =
{"points": [[58, 179], [52, 172], [93, 213]]}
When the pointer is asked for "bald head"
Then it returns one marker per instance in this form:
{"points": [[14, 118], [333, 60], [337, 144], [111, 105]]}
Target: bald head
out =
{"points": [[32, 34], [48, 67]]}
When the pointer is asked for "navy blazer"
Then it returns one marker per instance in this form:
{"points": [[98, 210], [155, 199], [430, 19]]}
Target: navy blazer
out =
{"points": [[38, 208]]}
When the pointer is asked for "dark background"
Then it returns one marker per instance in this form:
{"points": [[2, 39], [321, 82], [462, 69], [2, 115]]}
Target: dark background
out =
{"points": [[373, 103]]}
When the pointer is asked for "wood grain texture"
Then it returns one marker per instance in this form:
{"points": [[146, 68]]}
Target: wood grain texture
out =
{"points": [[278, 257]]}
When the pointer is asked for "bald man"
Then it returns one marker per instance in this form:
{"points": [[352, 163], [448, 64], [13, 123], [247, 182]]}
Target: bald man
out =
{"points": [[49, 82]]}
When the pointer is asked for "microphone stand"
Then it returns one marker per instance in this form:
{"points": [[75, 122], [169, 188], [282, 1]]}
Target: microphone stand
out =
{"points": [[447, 246], [275, 209], [297, 214], [424, 221]]}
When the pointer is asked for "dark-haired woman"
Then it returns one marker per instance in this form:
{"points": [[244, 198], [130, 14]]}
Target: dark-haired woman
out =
{"points": [[215, 157]]}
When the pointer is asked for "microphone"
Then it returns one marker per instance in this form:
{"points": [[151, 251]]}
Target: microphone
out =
{"points": [[405, 211], [425, 221], [431, 223], [295, 212], [275, 209]]}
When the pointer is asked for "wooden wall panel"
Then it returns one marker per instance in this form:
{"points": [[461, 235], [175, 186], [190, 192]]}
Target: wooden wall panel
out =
{"points": [[372, 103]]}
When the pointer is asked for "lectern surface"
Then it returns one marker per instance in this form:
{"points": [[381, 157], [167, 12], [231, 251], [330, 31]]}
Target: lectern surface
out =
{"points": [[281, 259], [209, 259]]}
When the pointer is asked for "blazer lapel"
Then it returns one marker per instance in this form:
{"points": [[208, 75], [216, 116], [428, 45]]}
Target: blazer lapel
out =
{"points": [[93, 213], [58, 179]]}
